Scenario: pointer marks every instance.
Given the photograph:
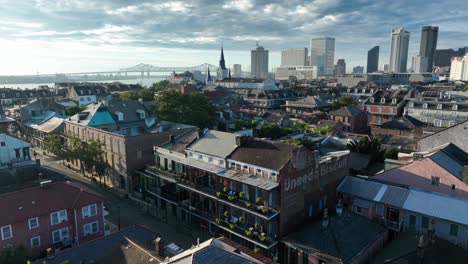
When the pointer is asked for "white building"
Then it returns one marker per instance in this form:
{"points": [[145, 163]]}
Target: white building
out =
{"points": [[300, 72], [459, 69], [294, 57], [399, 50], [322, 55], [237, 73], [259, 62], [419, 64], [13, 150]]}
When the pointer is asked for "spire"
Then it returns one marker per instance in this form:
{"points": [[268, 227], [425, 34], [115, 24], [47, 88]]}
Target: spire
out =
{"points": [[208, 76], [229, 73], [222, 63]]}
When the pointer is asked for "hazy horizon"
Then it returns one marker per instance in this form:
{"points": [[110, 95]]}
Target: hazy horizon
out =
{"points": [[49, 36]]}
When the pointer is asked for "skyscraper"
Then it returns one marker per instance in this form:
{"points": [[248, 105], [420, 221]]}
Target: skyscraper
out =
{"points": [[259, 62], [222, 72], [340, 67], [399, 50], [443, 57], [237, 71], [373, 59], [294, 57], [358, 69], [428, 47], [322, 54]]}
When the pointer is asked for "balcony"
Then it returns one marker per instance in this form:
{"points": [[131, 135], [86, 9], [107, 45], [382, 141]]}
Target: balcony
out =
{"points": [[197, 210], [237, 199], [165, 174], [254, 233], [394, 225]]}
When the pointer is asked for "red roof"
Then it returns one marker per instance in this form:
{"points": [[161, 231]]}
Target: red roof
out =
{"points": [[21, 205], [247, 251]]}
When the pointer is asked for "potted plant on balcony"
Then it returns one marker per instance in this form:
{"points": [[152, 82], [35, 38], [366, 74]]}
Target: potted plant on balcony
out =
{"points": [[241, 195], [257, 226], [241, 219], [248, 204], [248, 233], [257, 250], [226, 213], [262, 238], [225, 189], [231, 197], [218, 194], [264, 210], [218, 220], [231, 225], [258, 200]]}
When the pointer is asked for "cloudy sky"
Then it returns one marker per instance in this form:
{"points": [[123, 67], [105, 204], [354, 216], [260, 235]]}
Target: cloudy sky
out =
{"points": [[50, 36]]}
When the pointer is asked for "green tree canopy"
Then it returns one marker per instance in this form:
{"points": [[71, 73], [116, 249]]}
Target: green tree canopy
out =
{"points": [[53, 144], [372, 147], [274, 131], [145, 94], [73, 110], [193, 109]]}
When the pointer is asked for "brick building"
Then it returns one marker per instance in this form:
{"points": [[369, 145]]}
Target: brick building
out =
{"points": [[352, 118], [128, 131], [251, 191], [53, 215], [386, 105]]}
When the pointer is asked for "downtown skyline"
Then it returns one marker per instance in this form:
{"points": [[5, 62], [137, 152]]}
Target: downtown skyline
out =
{"points": [[69, 36]]}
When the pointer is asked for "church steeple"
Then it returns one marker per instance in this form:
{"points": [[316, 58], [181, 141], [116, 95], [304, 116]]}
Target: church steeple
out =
{"points": [[208, 76], [222, 63], [229, 74]]}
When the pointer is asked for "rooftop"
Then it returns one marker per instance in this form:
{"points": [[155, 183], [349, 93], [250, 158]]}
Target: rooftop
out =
{"points": [[215, 143]]}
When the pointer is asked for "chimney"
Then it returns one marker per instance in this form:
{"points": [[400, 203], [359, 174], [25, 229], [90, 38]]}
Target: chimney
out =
{"points": [[325, 219], [418, 156], [140, 100], [44, 184], [239, 141], [159, 246]]}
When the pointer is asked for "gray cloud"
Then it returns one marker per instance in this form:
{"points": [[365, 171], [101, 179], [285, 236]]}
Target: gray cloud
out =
{"points": [[357, 25]]}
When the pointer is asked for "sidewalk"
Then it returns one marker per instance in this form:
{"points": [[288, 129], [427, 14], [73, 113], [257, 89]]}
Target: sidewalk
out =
{"points": [[130, 214]]}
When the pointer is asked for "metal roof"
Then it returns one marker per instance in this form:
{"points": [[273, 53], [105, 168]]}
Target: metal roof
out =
{"points": [[257, 181], [202, 165]]}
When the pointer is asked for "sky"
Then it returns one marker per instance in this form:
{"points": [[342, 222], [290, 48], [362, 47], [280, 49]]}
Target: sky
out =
{"points": [[60, 36]]}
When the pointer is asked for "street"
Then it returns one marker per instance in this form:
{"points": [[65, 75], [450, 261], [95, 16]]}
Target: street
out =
{"points": [[130, 214]]}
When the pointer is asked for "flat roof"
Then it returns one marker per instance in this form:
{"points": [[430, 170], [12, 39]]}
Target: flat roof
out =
{"points": [[257, 181]]}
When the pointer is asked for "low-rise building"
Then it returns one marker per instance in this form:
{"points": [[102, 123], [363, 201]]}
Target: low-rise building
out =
{"points": [[455, 134], [438, 113], [296, 72], [386, 105], [309, 104], [87, 93], [251, 191], [352, 118], [248, 83], [13, 151], [406, 209], [263, 100], [10, 96], [53, 215]]}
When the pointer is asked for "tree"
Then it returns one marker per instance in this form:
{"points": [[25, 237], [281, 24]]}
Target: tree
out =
{"points": [[145, 94], [13, 255], [53, 144], [163, 86], [302, 142], [74, 149], [193, 109], [372, 147], [324, 130], [392, 153], [73, 110], [273, 131]]}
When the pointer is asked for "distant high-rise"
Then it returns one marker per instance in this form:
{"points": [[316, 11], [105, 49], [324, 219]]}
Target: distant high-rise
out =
{"points": [[462, 51], [399, 50], [294, 57], [340, 68], [237, 71], [386, 67], [358, 69], [259, 62], [419, 64], [428, 47], [443, 57], [373, 59], [459, 68], [322, 55]]}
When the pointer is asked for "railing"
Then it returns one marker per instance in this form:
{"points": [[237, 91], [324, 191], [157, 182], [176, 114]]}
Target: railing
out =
{"points": [[252, 234], [394, 225], [231, 197], [166, 174]]}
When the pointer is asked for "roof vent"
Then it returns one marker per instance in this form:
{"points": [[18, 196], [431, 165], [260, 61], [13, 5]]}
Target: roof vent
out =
{"points": [[45, 183], [20, 208]]}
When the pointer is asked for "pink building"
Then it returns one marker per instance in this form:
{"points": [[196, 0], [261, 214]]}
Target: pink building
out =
{"points": [[53, 215]]}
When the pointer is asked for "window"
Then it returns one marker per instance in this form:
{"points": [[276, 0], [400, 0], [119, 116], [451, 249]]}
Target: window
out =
{"points": [[382, 100], [439, 106], [119, 115], [372, 99], [35, 242], [33, 223], [58, 217], [411, 104], [424, 222], [2, 144], [60, 235], [258, 171], [89, 210], [90, 228], [394, 101], [454, 107], [451, 123], [453, 229], [425, 105], [379, 210], [435, 180], [210, 159], [437, 122], [412, 221], [7, 233], [358, 209], [141, 114]]}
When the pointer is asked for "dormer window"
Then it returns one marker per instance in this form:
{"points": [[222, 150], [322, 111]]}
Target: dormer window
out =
{"points": [[394, 101], [81, 92], [382, 100], [372, 99], [411, 104], [435, 180], [349, 90], [98, 91], [454, 107], [425, 105], [89, 92], [120, 116], [141, 114], [372, 90], [439, 106]]}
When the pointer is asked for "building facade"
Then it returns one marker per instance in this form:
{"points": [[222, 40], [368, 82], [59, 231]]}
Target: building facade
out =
{"points": [[443, 57], [386, 106], [428, 46], [53, 215], [259, 63], [399, 50], [455, 134], [294, 57], [373, 59], [340, 68], [358, 69], [459, 69], [237, 73], [13, 151], [297, 72], [352, 118], [322, 55]]}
